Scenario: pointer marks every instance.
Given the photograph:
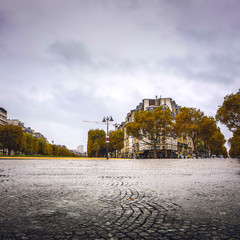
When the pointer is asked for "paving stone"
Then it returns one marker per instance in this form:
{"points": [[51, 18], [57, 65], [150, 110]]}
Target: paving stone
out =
{"points": [[120, 199]]}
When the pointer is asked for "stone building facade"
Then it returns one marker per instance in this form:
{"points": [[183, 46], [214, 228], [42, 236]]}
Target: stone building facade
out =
{"points": [[166, 148], [3, 116], [15, 122]]}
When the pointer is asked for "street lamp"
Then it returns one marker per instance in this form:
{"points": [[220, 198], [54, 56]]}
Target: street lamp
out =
{"points": [[106, 119]]}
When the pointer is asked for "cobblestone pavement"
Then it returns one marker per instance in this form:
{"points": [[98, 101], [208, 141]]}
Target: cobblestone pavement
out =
{"points": [[120, 199]]}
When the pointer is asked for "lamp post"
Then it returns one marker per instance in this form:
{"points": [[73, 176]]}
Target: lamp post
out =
{"points": [[106, 119]]}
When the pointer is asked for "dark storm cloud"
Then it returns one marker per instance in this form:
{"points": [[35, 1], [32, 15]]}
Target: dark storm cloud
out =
{"points": [[71, 52]]}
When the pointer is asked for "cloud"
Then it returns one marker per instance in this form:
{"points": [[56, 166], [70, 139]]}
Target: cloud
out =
{"points": [[2, 22], [71, 52], [216, 68]]}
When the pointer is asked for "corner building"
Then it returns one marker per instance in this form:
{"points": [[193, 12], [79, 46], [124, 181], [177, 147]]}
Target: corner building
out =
{"points": [[166, 148]]}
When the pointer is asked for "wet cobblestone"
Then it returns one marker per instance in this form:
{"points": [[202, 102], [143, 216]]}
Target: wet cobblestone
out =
{"points": [[120, 199]]}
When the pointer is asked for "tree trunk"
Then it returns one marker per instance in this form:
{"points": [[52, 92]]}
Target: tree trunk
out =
{"points": [[3, 148], [206, 149], [194, 147], [155, 151]]}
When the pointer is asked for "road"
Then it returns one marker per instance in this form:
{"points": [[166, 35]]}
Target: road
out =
{"points": [[120, 199]]}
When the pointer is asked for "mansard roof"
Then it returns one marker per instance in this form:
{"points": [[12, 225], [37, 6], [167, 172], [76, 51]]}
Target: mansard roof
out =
{"points": [[3, 110]]}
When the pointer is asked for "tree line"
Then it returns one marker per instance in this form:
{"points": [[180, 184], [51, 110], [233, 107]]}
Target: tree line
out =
{"points": [[13, 138], [153, 127]]}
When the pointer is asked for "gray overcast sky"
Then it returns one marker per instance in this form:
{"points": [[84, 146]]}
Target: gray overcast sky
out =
{"points": [[65, 61]]}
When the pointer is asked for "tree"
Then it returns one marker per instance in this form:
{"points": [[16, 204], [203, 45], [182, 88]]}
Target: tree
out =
{"points": [[116, 140], [206, 128], [55, 150], [216, 143], [229, 113], [235, 146], [187, 123], [42, 146], [28, 144], [200, 148], [96, 145], [49, 149], [11, 138], [35, 146], [151, 127]]}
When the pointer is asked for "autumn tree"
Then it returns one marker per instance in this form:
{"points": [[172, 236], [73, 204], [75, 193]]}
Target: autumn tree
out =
{"points": [[28, 147], [151, 127], [11, 138], [216, 143], [206, 128], [200, 148], [42, 146], [187, 123], [229, 113], [49, 149], [35, 146], [55, 150], [96, 146], [234, 142], [62, 152], [116, 140]]}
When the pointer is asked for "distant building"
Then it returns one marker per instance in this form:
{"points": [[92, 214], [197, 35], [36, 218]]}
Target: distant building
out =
{"points": [[61, 146], [28, 130], [80, 148], [15, 122], [3, 116], [39, 135], [31, 131]]}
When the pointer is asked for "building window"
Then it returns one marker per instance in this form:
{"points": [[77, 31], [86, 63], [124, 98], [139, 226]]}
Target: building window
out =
{"points": [[151, 102]]}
